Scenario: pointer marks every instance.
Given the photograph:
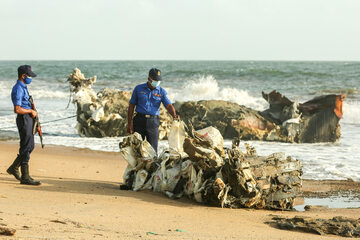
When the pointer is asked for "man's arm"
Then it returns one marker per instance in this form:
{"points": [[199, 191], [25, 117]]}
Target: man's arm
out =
{"points": [[130, 117], [22, 111], [170, 108]]}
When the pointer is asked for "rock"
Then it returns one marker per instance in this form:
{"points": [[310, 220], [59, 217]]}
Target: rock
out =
{"points": [[340, 226], [7, 231], [315, 208]]}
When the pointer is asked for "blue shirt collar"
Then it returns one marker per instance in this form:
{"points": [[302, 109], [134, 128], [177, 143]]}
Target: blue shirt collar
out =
{"points": [[22, 84]]}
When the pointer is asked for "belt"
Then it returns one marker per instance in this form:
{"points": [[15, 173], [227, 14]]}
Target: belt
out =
{"points": [[146, 115]]}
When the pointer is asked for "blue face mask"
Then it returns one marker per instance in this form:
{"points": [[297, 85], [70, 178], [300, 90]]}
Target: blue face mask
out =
{"points": [[27, 80], [155, 83]]}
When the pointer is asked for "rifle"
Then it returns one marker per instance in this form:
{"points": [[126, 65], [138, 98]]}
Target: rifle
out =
{"points": [[37, 125]]}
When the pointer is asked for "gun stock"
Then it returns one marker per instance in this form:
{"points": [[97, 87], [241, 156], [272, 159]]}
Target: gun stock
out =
{"points": [[37, 125]]}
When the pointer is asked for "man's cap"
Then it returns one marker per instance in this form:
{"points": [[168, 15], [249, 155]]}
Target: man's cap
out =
{"points": [[155, 74], [26, 69]]}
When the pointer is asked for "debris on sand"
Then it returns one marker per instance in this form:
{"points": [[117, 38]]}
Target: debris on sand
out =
{"points": [[211, 174]]}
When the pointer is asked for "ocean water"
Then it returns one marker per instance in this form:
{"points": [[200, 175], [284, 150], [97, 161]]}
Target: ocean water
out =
{"points": [[236, 81]]}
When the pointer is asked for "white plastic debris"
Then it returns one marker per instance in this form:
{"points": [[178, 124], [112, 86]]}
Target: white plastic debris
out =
{"points": [[129, 155], [177, 136], [140, 179], [147, 151], [98, 114], [213, 136]]}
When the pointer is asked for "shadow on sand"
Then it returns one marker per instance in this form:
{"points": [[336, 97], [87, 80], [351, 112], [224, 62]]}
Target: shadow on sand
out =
{"points": [[95, 187]]}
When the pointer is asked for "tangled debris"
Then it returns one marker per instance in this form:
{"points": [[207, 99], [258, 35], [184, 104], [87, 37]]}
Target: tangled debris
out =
{"points": [[211, 174], [104, 114], [340, 226]]}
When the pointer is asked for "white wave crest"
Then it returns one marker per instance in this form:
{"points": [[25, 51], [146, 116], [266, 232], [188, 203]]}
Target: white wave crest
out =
{"points": [[207, 88], [41, 93], [351, 112]]}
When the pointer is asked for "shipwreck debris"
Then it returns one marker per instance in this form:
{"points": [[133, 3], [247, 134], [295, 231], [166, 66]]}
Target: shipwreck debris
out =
{"points": [[104, 114], [211, 174], [340, 226], [314, 121]]}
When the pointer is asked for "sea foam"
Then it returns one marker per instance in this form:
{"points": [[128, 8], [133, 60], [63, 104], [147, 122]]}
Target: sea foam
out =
{"points": [[207, 88], [351, 112]]}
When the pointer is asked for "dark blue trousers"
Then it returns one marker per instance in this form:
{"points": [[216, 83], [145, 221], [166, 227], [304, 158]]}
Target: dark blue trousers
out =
{"points": [[148, 129], [25, 124]]}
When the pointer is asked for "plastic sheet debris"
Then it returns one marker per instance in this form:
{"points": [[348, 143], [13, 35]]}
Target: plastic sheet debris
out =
{"points": [[177, 136], [211, 174]]}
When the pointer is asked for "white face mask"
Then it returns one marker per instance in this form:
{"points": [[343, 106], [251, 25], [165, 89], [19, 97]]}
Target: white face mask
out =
{"points": [[155, 83]]}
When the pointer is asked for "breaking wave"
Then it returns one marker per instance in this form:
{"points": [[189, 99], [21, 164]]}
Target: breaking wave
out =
{"points": [[42, 93], [37, 91], [207, 88], [351, 112]]}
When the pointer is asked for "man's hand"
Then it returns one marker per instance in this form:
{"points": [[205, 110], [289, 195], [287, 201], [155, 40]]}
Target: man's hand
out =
{"points": [[176, 117], [130, 128], [34, 113]]}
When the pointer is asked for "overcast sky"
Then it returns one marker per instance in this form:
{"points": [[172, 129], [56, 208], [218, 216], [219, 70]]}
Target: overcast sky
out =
{"points": [[180, 29]]}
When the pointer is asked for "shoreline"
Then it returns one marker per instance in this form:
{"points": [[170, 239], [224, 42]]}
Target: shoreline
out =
{"points": [[80, 198]]}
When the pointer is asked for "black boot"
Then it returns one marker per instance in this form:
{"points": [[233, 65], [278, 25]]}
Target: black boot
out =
{"points": [[14, 169], [25, 178]]}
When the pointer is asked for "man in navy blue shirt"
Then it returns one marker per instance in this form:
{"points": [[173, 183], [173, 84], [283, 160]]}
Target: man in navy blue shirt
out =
{"points": [[147, 98], [25, 123]]}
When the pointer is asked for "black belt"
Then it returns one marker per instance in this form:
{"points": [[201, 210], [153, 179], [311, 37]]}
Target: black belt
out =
{"points": [[146, 115]]}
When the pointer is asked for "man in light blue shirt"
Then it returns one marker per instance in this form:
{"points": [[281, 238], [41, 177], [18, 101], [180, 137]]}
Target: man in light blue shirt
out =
{"points": [[147, 98], [25, 123]]}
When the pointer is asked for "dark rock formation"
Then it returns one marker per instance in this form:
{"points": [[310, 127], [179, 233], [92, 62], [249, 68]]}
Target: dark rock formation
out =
{"points": [[314, 121], [340, 226]]}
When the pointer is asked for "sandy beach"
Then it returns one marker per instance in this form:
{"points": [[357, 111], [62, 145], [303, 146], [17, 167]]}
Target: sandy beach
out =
{"points": [[80, 199]]}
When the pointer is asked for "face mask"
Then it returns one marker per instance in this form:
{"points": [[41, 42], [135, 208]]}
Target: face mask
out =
{"points": [[27, 80], [155, 83]]}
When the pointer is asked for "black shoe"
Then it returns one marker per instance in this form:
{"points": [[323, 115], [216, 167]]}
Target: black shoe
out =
{"points": [[14, 169], [25, 178]]}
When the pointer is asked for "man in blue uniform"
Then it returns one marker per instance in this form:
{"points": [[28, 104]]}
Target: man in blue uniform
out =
{"points": [[25, 123], [147, 98]]}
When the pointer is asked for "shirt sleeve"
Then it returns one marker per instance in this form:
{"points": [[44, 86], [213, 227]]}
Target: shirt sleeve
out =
{"points": [[134, 97], [16, 96], [164, 99]]}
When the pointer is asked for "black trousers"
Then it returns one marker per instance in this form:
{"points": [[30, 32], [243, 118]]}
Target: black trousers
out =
{"points": [[25, 124], [148, 129]]}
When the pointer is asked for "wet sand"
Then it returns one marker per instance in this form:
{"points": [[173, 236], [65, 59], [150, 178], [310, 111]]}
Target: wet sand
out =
{"points": [[80, 199]]}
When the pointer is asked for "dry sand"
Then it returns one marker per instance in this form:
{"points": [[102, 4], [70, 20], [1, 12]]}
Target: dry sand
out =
{"points": [[80, 199]]}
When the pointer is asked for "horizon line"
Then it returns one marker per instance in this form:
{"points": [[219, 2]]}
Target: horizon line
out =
{"points": [[205, 60]]}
